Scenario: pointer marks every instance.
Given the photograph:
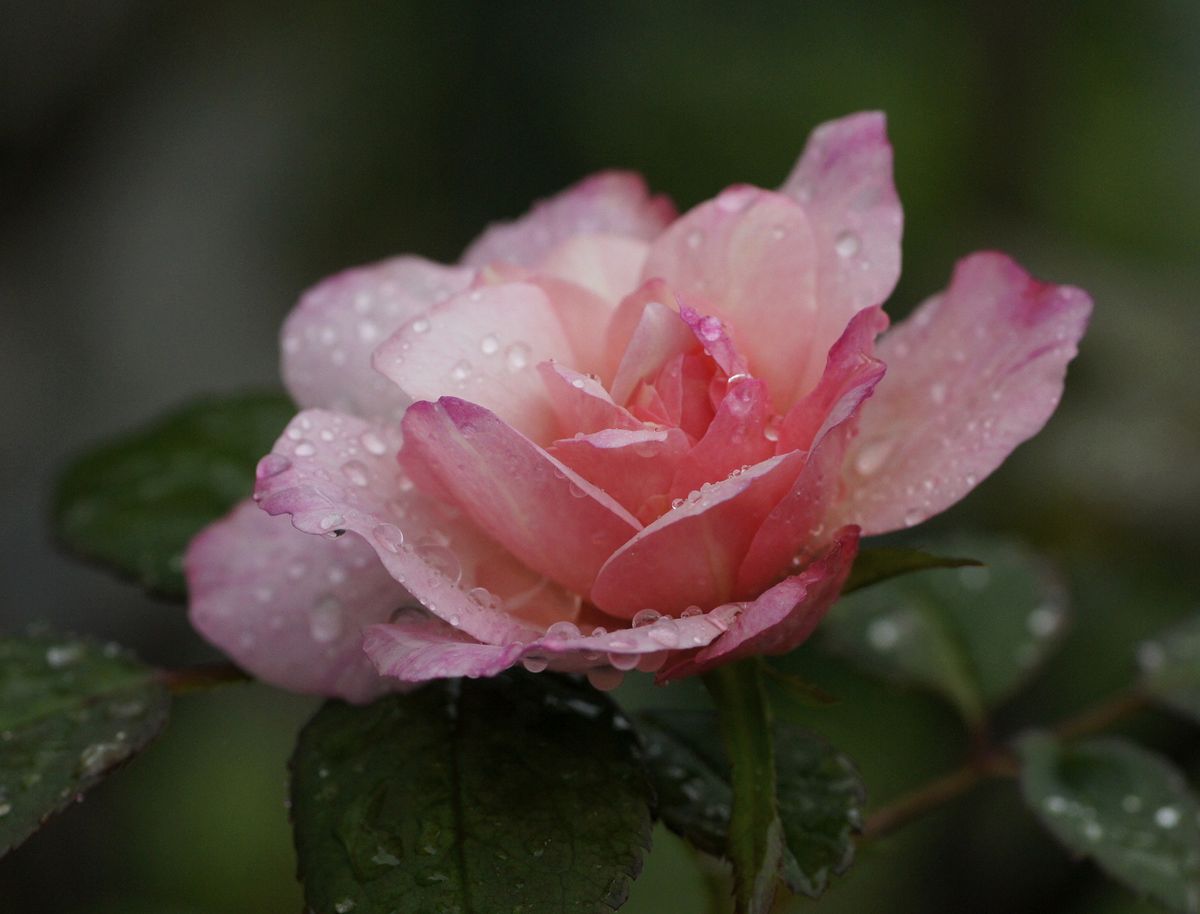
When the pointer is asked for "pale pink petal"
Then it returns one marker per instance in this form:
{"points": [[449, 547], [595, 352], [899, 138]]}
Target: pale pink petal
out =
{"points": [[971, 374], [844, 182], [417, 647], [484, 344], [659, 336], [749, 258], [736, 438], [684, 393], [714, 337], [329, 336], [851, 373], [338, 473], [287, 607], [611, 203], [782, 618], [634, 467], [581, 402], [544, 513], [583, 316], [609, 266], [691, 555]]}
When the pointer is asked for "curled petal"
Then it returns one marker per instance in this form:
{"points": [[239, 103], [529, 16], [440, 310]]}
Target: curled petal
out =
{"points": [[484, 344], [782, 618], [581, 402], [611, 203], [544, 513], [972, 373], [287, 607], [635, 467], [328, 338], [417, 647], [735, 438], [658, 336]]}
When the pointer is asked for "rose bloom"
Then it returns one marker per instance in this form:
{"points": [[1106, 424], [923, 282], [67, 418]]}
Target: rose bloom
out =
{"points": [[612, 437]]}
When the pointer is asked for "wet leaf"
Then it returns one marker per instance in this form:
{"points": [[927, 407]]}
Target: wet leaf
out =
{"points": [[820, 794], [1124, 807], [134, 504], [1170, 667], [515, 794], [71, 711], [873, 565], [973, 634]]}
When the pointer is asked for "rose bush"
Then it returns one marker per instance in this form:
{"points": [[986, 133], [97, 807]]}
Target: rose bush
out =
{"points": [[612, 438]]}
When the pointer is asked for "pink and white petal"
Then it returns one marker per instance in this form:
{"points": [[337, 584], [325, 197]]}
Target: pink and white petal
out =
{"points": [[484, 344], [634, 467], [736, 438], [659, 336], [684, 387], [844, 182], [287, 607], [328, 338], [609, 266], [782, 618], [714, 337], [750, 257], [581, 402], [851, 374], [544, 513], [610, 203], [336, 473], [972, 373], [583, 316], [797, 526], [417, 647], [691, 555]]}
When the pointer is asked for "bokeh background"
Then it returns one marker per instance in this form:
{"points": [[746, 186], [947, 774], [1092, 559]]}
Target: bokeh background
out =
{"points": [[173, 174]]}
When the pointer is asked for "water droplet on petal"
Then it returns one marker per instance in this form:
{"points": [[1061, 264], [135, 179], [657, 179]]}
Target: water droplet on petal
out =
{"points": [[562, 630], [304, 449], [440, 559], [646, 617], [883, 634], [695, 238], [872, 456], [489, 345], [355, 471], [420, 325], [847, 244], [325, 621], [390, 537], [535, 663], [516, 356], [373, 443]]}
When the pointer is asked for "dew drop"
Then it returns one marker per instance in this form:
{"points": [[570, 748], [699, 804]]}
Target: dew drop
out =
{"points": [[390, 537], [562, 630], [100, 757], [872, 456], [325, 621], [330, 521], [913, 516], [605, 678], [441, 560], [847, 244], [646, 617], [489, 345], [535, 663], [1166, 817], [695, 238], [883, 634], [373, 443], [516, 356], [937, 393], [623, 662], [304, 449], [461, 370], [420, 325]]}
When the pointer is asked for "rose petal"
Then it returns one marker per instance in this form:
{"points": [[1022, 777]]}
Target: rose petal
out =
{"points": [[611, 202], [544, 513], [333, 473], [328, 338], [634, 467], [714, 337], [287, 607], [484, 344], [692, 554], [972, 373], [735, 439], [844, 182], [608, 266], [417, 647], [782, 618], [581, 402], [749, 258], [659, 335]]}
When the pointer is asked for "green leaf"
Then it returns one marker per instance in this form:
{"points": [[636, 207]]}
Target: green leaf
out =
{"points": [[973, 634], [885, 562], [70, 712], [1170, 667], [514, 794], [755, 839], [1126, 808], [134, 504], [821, 796]]}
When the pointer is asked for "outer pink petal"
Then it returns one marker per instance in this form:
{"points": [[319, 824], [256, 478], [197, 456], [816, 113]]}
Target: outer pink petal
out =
{"points": [[287, 607], [844, 182], [611, 202], [714, 337], [692, 554], [484, 344], [337, 473], [971, 374], [749, 257], [634, 467], [417, 647], [659, 335], [545, 514], [581, 402], [328, 338], [783, 617], [608, 266], [735, 438]]}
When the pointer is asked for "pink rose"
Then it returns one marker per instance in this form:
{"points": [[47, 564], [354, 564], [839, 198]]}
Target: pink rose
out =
{"points": [[612, 437]]}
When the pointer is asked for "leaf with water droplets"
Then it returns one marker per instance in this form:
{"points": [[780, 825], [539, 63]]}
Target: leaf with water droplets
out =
{"points": [[820, 794], [873, 565], [1124, 807], [518, 793], [71, 711], [134, 504], [973, 634], [1170, 666]]}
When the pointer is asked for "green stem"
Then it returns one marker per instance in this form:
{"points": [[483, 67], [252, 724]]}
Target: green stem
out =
{"points": [[201, 677]]}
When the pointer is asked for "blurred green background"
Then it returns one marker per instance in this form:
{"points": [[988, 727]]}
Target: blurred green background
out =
{"points": [[173, 174]]}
